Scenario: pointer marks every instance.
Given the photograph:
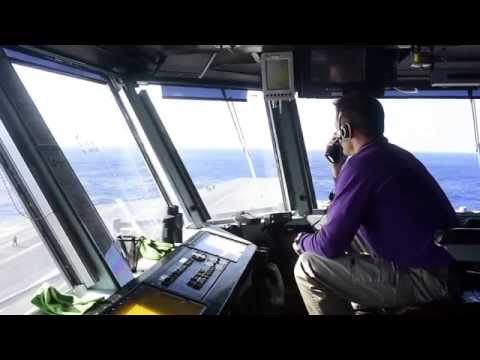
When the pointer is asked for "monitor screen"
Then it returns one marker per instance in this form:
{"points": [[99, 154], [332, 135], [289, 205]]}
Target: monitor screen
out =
{"points": [[149, 301], [277, 74], [337, 66], [220, 246]]}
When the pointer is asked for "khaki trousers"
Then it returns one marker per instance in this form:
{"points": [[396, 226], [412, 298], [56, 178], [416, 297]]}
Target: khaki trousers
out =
{"points": [[328, 286]]}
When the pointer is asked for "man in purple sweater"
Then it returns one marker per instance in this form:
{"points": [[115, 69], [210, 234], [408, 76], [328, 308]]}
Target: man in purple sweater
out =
{"points": [[385, 195]]}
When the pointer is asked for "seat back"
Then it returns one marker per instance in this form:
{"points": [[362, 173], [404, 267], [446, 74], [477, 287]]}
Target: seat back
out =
{"points": [[461, 242], [464, 245]]}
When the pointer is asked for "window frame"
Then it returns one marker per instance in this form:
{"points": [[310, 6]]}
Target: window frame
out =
{"points": [[114, 88], [58, 66], [36, 216], [24, 119], [167, 155], [116, 85], [186, 178], [289, 145], [316, 210]]}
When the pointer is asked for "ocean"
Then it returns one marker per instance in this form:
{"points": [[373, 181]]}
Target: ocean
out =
{"points": [[112, 174]]}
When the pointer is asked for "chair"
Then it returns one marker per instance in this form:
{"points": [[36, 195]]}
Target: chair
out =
{"points": [[463, 243]]}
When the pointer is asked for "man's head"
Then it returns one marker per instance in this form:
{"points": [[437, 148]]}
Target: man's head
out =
{"points": [[360, 120]]}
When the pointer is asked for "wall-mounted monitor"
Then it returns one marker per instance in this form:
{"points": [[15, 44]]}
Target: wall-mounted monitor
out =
{"points": [[329, 72], [337, 66], [277, 76]]}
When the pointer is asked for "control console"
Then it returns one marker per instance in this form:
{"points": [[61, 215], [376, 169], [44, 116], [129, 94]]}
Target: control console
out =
{"points": [[206, 270]]}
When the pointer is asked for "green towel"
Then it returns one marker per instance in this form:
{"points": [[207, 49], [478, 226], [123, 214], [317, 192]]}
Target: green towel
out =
{"points": [[154, 250], [53, 302]]}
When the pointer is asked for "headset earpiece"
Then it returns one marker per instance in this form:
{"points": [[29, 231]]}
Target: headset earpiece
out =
{"points": [[345, 131]]}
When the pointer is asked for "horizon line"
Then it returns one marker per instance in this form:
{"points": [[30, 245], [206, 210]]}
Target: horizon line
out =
{"points": [[263, 149]]}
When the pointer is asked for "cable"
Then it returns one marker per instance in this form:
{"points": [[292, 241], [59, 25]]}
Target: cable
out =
{"points": [[157, 65], [475, 128], [238, 128]]}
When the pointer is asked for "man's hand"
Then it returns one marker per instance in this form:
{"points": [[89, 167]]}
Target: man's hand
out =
{"points": [[297, 249], [295, 245], [336, 167]]}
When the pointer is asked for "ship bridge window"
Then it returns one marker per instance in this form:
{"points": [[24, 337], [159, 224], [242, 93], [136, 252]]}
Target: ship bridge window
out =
{"points": [[439, 132], [88, 125], [226, 147], [317, 119], [25, 261]]}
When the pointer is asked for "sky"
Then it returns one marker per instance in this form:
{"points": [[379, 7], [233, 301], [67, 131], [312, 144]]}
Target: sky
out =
{"points": [[82, 113], [418, 125]]}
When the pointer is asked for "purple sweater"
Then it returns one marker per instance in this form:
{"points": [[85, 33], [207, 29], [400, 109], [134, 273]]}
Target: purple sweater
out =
{"points": [[390, 198]]}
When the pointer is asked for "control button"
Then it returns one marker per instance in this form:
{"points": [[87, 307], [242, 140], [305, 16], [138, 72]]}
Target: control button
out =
{"points": [[194, 284], [167, 281], [198, 257]]}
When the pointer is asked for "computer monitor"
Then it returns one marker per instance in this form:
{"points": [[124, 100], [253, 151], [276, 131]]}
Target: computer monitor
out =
{"points": [[340, 66], [331, 70]]}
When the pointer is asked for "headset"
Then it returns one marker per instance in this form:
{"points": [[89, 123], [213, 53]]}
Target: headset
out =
{"points": [[345, 131], [334, 152]]}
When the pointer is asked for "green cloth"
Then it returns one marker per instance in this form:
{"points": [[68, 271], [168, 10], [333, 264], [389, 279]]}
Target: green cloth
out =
{"points": [[53, 302], [154, 250]]}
